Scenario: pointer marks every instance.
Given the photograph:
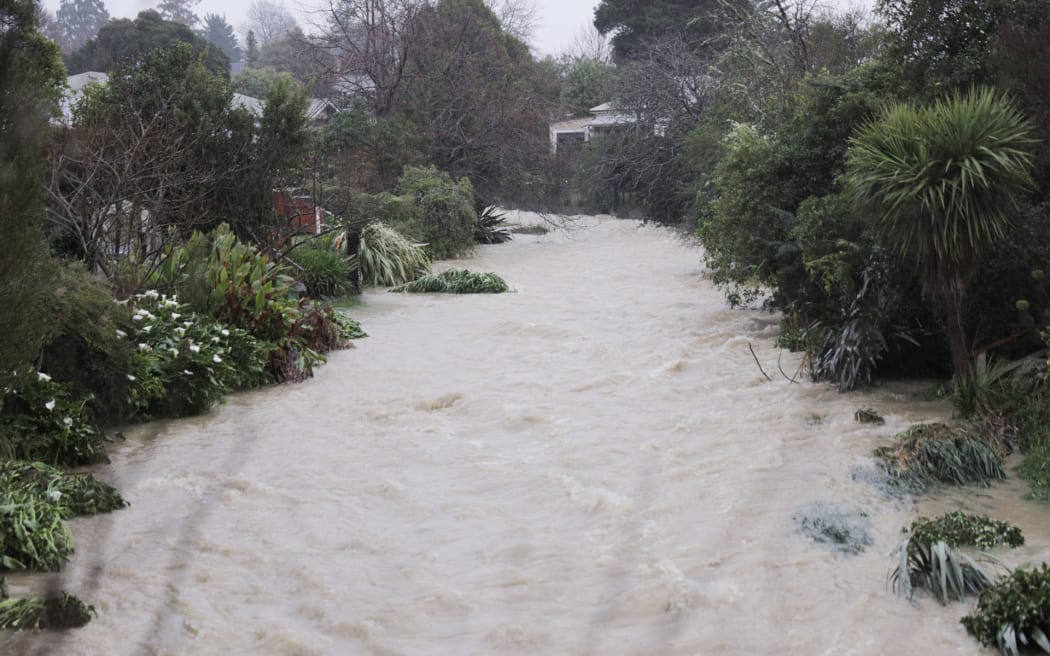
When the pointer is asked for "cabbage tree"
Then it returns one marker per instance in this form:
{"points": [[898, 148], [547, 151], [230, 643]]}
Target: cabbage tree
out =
{"points": [[941, 182]]}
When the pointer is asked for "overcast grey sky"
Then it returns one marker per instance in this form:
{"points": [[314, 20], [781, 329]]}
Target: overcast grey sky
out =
{"points": [[559, 20]]}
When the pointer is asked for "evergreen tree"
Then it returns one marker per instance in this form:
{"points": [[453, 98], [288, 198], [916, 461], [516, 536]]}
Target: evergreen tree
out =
{"points": [[31, 78], [179, 11], [79, 21], [251, 56], [218, 32]]}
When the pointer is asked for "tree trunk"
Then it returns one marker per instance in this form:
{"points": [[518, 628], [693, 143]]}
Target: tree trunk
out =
{"points": [[953, 301]]}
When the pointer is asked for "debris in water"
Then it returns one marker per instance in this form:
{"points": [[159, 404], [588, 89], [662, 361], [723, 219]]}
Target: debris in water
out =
{"points": [[844, 530], [868, 416]]}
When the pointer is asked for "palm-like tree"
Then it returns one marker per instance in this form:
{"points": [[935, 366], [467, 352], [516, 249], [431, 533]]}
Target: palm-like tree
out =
{"points": [[942, 182]]}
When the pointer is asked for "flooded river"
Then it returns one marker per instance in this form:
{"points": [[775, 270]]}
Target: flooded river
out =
{"points": [[593, 464]]}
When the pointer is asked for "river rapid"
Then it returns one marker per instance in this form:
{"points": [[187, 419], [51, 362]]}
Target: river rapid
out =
{"points": [[593, 464]]}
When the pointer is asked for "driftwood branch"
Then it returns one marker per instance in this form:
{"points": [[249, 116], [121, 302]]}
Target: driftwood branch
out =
{"points": [[750, 348]]}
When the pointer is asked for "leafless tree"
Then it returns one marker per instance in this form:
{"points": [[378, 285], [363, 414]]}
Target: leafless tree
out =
{"points": [[121, 186], [268, 20], [366, 40], [518, 17], [589, 43]]}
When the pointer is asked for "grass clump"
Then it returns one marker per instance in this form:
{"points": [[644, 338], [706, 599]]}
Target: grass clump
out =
{"points": [[930, 555], [76, 495], [942, 453], [63, 611], [492, 227], [456, 281], [1015, 613], [386, 257]]}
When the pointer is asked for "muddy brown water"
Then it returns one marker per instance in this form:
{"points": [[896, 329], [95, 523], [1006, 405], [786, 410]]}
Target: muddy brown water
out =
{"points": [[590, 465]]}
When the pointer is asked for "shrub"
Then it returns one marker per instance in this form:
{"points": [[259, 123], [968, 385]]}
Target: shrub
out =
{"points": [[386, 257], [448, 218], [492, 227], [324, 272], [958, 529], [947, 572], [42, 420], [937, 452], [1033, 417], [84, 341], [31, 529], [232, 282], [1014, 613], [62, 611], [188, 362], [456, 281]]}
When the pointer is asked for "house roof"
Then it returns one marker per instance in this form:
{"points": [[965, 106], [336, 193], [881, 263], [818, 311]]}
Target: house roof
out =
{"points": [[75, 85], [254, 106], [571, 125], [320, 109]]}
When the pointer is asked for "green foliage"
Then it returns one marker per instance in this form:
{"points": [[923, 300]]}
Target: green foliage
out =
{"points": [[188, 362], [76, 495], [636, 26], [219, 33], [491, 227], [257, 82], [586, 83], [982, 390], [31, 76], [79, 21], [949, 573], [324, 271], [958, 529], [448, 210], [929, 453], [32, 535], [349, 329], [63, 611], [42, 420], [221, 277], [125, 42], [1033, 417], [456, 281], [941, 181], [85, 342], [386, 257], [1014, 613]]}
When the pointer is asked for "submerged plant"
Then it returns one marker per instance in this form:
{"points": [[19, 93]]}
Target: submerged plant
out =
{"points": [[32, 535], [76, 495], [959, 529], [63, 611], [386, 257], [491, 227], [931, 453], [1015, 613], [456, 281], [930, 555]]}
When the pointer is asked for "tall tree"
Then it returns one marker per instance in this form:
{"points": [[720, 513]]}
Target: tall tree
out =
{"points": [[302, 57], [368, 41], [79, 21], [125, 41], [218, 32], [251, 50], [942, 181], [31, 79], [638, 24], [146, 158], [474, 89], [269, 20], [179, 11]]}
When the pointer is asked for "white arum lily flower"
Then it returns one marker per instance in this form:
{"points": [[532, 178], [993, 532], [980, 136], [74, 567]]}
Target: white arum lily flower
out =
{"points": [[50, 405], [68, 421], [216, 358], [130, 377], [195, 348], [42, 376], [187, 372], [121, 334], [54, 495]]}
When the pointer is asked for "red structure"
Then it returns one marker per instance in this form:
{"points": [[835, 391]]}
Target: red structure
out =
{"points": [[301, 215]]}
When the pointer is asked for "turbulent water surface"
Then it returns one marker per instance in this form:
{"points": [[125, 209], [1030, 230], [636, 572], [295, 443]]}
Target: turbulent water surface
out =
{"points": [[593, 464]]}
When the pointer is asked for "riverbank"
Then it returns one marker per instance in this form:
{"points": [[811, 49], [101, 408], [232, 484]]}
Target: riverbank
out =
{"points": [[592, 464]]}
